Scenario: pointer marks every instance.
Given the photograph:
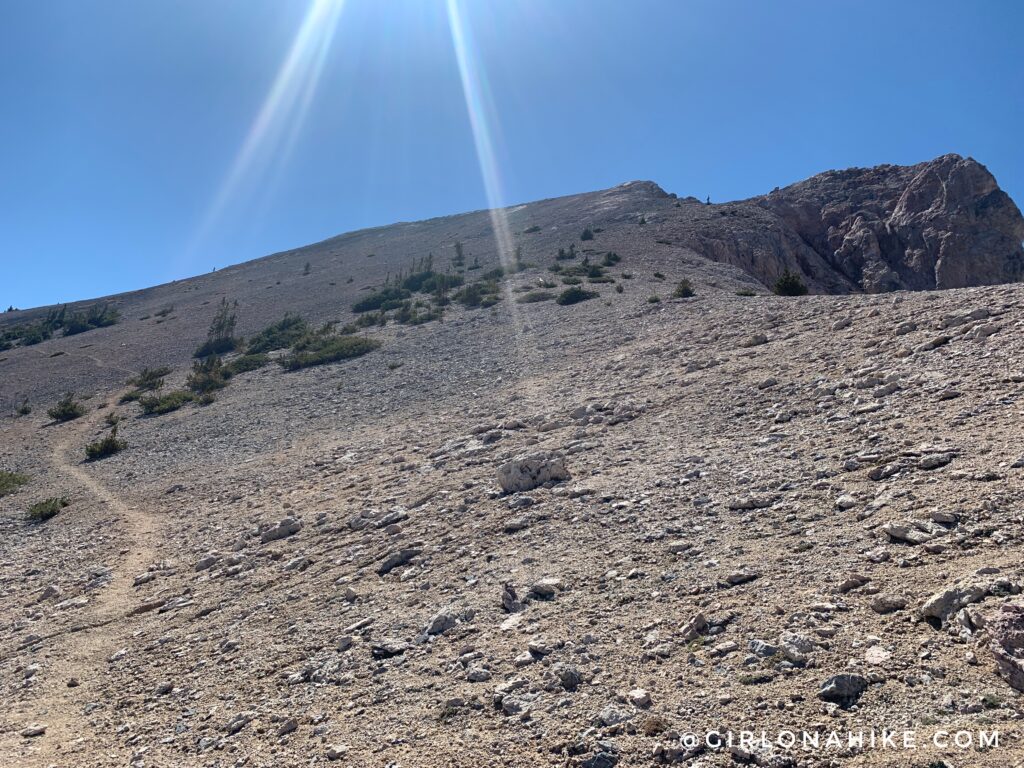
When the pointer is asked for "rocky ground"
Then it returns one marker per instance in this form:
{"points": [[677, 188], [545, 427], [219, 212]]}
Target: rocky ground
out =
{"points": [[535, 534], [747, 504]]}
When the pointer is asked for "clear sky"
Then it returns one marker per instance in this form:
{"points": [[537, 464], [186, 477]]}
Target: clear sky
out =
{"points": [[146, 141]]}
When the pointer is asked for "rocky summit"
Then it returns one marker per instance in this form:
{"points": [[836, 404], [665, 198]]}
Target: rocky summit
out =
{"points": [[658, 473]]}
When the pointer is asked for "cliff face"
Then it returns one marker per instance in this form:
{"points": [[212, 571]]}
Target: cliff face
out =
{"points": [[941, 224]]}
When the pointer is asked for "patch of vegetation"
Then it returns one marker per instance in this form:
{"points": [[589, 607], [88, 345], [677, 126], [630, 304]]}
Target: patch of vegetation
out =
{"points": [[112, 418], [149, 379], [220, 338], [531, 230], [245, 363], [383, 299], [619, 289], [11, 481], [575, 295], [66, 409], [746, 292], [279, 335], [566, 255], [658, 276], [156, 405], [98, 316], [571, 281], [325, 346], [24, 409], [534, 296], [106, 446], [208, 375], [586, 234], [42, 511], [789, 284], [416, 313], [684, 289], [653, 300], [610, 259]]}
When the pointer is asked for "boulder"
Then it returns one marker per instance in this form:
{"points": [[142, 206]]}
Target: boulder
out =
{"points": [[530, 471]]}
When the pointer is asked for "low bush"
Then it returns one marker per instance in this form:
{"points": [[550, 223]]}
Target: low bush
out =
{"points": [[156, 405], [208, 375], [684, 289], [66, 409], [149, 379], [220, 338], [244, 364], [11, 481], [42, 511], [586, 234], [385, 298], [575, 295], [534, 296], [24, 409], [789, 284], [106, 446], [320, 348], [610, 259], [653, 300], [279, 335]]}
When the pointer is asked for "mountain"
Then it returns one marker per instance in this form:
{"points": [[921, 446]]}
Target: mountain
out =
{"points": [[423, 506]]}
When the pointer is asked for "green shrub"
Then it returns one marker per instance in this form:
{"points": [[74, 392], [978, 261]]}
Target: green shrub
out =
{"points": [[575, 295], [280, 335], [11, 481], [245, 363], [653, 300], [534, 296], [385, 298], [789, 284], [586, 234], [156, 405], [481, 294], [149, 379], [105, 447], [24, 409], [746, 292], [207, 375], [220, 337], [658, 276], [684, 290], [320, 348], [610, 259], [619, 289], [531, 230], [66, 409], [42, 511], [98, 316]]}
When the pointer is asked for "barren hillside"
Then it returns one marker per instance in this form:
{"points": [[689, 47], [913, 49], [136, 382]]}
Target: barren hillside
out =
{"points": [[518, 530]]}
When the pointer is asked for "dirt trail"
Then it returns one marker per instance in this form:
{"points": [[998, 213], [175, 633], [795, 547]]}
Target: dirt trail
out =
{"points": [[82, 652]]}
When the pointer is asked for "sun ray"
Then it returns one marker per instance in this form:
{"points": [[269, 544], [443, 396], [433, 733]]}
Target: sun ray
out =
{"points": [[274, 132], [482, 120]]}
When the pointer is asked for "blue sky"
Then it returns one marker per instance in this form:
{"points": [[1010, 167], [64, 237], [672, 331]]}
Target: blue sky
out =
{"points": [[123, 159]]}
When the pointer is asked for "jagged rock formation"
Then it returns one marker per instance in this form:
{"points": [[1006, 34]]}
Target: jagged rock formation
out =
{"points": [[940, 224]]}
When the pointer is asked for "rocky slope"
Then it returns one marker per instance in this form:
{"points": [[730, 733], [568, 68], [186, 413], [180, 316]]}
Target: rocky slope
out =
{"points": [[531, 534]]}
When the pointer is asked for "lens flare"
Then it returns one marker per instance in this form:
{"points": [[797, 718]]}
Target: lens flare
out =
{"points": [[476, 92], [273, 134]]}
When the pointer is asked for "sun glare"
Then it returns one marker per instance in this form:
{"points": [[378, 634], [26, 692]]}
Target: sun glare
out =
{"points": [[272, 136], [483, 120]]}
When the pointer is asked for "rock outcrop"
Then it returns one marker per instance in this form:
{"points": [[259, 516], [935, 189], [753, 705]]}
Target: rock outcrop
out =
{"points": [[939, 224]]}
